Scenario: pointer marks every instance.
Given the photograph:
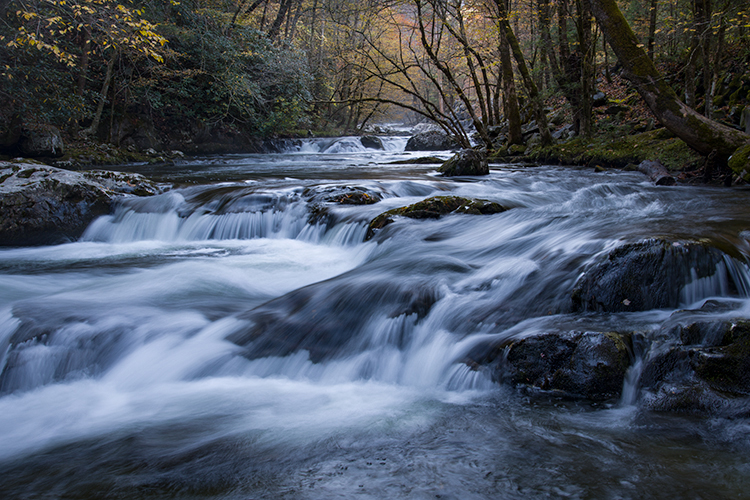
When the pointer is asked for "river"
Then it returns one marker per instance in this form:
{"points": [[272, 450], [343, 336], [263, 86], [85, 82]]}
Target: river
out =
{"points": [[126, 370]]}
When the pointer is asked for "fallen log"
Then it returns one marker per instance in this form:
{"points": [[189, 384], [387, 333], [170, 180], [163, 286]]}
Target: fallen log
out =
{"points": [[656, 172]]}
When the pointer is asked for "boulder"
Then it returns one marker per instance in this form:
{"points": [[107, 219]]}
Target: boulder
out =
{"points": [[599, 99], [342, 195], [466, 162], [646, 275], [591, 365], [41, 141], [706, 370], [43, 205], [372, 142], [433, 208], [739, 162], [431, 141]]}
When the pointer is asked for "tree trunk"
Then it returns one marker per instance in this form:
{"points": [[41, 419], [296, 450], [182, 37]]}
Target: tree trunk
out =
{"points": [[93, 129], [510, 99], [652, 29], [587, 62], [700, 133], [536, 100]]}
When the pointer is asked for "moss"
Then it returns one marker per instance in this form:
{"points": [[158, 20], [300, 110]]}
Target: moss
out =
{"points": [[433, 208], [616, 147], [739, 162]]}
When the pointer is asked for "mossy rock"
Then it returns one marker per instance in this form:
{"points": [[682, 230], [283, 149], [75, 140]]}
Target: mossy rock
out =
{"points": [[590, 365], [466, 162], [433, 208], [739, 162]]}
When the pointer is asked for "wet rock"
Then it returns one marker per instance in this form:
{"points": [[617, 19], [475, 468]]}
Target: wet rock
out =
{"points": [[371, 142], [707, 374], [582, 364], [433, 208], [423, 160], [649, 274], [342, 195], [431, 141], [331, 318], [466, 162], [42, 204]]}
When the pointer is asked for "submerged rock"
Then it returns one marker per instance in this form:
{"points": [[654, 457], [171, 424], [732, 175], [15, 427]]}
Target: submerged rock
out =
{"points": [[332, 318], [581, 364], [431, 141], [466, 162], [42, 204], [433, 208], [649, 274]]}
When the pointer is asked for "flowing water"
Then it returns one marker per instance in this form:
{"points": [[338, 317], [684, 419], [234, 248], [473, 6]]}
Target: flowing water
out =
{"points": [[237, 338]]}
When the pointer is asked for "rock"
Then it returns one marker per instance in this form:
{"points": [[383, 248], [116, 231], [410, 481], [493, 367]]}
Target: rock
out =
{"points": [[466, 162], [530, 128], [745, 119], [739, 162], [616, 108], [599, 99], [290, 323], [564, 133], [431, 141], [649, 274], [707, 378], [433, 208], [41, 141], [371, 142], [516, 149], [342, 195], [582, 364], [43, 205], [423, 160]]}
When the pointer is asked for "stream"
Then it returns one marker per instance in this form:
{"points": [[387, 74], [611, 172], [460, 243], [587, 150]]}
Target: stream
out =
{"points": [[237, 338]]}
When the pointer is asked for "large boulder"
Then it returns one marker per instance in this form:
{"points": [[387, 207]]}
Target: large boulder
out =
{"points": [[704, 368], [41, 141], [466, 162], [433, 208], [371, 142], [42, 204], [591, 365], [646, 275], [431, 141]]}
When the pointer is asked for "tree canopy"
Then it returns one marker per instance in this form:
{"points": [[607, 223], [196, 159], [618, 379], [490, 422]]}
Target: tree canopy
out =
{"points": [[479, 69]]}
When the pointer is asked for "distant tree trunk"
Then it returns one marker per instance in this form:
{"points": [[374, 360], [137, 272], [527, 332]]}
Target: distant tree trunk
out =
{"points": [[716, 65], [94, 128], [83, 66], [275, 29], [510, 99], [652, 29], [700, 133], [587, 62], [536, 100]]}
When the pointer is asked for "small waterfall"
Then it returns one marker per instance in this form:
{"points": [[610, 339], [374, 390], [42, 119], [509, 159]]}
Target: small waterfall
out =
{"points": [[730, 276]]}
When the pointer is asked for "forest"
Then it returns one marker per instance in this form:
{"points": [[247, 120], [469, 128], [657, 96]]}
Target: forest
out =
{"points": [[220, 75]]}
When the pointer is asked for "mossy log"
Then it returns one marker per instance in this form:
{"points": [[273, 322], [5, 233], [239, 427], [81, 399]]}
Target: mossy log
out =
{"points": [[700, 133]]}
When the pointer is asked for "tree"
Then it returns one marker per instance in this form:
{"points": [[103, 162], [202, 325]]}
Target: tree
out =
{"points": [[700, 133]]}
